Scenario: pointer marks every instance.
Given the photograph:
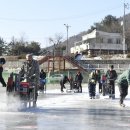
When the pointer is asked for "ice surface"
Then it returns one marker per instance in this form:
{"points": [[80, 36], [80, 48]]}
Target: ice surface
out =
{"points": [[65, 111]]}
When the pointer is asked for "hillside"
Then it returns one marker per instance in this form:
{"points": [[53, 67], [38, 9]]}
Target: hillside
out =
{"points": [[75, 38]]}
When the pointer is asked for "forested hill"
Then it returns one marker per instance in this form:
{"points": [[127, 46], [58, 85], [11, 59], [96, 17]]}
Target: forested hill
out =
{"points": [[127, 19]]}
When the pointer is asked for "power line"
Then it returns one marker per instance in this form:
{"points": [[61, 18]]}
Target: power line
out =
{"points": [[57, 19]]}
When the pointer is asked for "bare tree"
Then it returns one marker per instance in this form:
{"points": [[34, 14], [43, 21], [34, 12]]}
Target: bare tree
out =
{"points": [[57, 43], [58, 38]]}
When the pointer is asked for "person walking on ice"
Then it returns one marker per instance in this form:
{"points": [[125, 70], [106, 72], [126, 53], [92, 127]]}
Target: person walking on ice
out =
{"points": [[79, 79], [123, 83], [31, 71]]}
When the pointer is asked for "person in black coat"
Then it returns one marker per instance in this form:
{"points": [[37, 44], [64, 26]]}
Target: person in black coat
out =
{"points": [[1, 77], [111, 76], [98, 73], [78, 79], [64, 80]]}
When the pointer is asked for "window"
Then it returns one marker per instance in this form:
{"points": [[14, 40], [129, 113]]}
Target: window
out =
{"points": [[101, 40], [109, 40], [118, 41]]}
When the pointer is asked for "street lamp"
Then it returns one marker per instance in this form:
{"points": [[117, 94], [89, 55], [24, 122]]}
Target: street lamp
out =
{"points": [[124, 23], [67, 28]]}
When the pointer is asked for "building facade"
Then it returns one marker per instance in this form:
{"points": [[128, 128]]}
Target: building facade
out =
{"points": [[99, 42]]}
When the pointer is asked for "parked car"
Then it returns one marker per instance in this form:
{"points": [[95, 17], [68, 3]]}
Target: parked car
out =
{"points": [[55, 78]]}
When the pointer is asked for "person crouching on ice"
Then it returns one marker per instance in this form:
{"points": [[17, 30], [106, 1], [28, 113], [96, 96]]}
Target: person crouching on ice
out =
{"points": [[64, 80], [92, 84], [123, 83]]}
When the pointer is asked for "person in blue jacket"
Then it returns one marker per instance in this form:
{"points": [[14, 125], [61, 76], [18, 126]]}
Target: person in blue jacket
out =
{"points": [[93, 78], [123, 83]]}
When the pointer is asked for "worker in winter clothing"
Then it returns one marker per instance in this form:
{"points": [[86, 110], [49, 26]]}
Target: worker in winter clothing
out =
{"points": [[99, 80], [78, 79], [64, 80], [2, 62], [31, 71], [42, 80], [111, 76], [123, 83], [93, 78]]}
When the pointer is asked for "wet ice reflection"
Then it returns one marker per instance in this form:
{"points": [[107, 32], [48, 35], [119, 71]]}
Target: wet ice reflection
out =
{"points": [[56, 111]]}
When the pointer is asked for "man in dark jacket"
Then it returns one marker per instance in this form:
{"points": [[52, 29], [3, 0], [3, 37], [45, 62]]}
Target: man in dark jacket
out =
{"points": [[111, 76], [64, 80], [30, 70], [78, 79]]}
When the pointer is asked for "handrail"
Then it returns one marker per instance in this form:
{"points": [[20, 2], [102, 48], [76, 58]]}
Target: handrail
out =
{"points": [[75, 63]]}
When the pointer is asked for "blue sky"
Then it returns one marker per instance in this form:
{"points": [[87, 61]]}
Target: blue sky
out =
{"points": [[37, 20]]}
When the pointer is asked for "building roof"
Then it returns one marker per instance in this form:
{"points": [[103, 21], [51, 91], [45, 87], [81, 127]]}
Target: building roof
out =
{"points": [[96, 33]]}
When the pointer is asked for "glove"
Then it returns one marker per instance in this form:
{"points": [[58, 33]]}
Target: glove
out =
{"points": [[22, 78], [33, 77]]}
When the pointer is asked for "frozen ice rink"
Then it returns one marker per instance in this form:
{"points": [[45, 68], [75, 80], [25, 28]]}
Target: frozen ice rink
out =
{"points": [[65, 111]]}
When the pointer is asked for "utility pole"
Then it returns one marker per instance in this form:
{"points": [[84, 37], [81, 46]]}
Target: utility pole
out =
{"points": [[53, 68], [124, 27], [53, 54], [67, 45]]}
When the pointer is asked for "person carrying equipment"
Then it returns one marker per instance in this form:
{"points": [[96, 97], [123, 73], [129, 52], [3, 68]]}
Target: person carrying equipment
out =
{"points": [[31, 71], [93, 78]]}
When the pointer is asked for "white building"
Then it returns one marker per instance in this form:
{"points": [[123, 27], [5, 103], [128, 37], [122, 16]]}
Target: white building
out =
{"points": [[98, 42]]}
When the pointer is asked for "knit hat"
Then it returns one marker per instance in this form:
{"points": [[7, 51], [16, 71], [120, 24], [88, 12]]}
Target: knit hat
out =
{"points": [[2, 61], [112, 66]]}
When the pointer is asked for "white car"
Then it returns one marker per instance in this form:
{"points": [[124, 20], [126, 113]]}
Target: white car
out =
{"points": [[55, 78], [97, 58]]}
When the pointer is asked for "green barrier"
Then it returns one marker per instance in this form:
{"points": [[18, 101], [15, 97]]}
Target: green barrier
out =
{"points": [[6, 75]]}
